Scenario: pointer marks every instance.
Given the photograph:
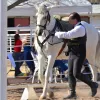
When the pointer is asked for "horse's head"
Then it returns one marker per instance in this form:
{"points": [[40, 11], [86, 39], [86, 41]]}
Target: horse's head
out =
{"points": [[43, 17]]}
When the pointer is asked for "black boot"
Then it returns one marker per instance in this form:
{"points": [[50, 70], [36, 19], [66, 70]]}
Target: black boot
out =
{"points": [[72, 94], [88, 81], [94, 87]]}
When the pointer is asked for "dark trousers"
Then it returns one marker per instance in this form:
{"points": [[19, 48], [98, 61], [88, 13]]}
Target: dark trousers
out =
{"points": [[75, 63], [17, 57]]}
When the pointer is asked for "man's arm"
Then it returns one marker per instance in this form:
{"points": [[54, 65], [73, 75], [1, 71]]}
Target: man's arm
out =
{"points": [[78, 31]]}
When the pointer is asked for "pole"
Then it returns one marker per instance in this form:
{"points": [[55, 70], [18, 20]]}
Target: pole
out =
{"points": [[3, 49]]}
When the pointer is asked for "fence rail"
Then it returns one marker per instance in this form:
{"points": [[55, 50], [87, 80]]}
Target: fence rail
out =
{"points": [[29, 35], [11, 36], [11, 40]]}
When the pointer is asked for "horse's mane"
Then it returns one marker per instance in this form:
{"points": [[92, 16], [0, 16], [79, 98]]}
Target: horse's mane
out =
{"points": [[42, 9], [64, 25]]}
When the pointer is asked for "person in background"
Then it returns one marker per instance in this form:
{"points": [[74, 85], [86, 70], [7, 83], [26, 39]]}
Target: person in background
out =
{"points": [[18, 55], [28, 56]]}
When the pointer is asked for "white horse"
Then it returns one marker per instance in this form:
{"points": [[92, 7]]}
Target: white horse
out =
{"points": [[45, 25]]}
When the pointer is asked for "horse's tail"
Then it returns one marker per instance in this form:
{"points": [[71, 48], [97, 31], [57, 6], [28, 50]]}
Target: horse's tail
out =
{"points": [[97, 55]]}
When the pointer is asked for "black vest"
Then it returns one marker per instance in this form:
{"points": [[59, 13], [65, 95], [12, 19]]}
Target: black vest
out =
{"points": [[77, 45]]}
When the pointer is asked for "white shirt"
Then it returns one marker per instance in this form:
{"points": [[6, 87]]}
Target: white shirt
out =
{"points": [[78, 31]]}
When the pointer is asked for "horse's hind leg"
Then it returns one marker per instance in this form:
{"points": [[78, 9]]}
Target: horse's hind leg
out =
{"points": [[94, 73]]}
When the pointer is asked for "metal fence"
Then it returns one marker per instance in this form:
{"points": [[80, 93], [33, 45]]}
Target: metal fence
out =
{"points": [[30, 35], [11, 40]]}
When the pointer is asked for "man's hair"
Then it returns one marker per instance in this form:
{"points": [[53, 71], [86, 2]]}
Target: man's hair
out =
{"points": [[76, 16]]}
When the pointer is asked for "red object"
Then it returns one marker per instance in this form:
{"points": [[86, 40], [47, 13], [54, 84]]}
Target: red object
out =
{"points": [[18, 46], [22, 21]]}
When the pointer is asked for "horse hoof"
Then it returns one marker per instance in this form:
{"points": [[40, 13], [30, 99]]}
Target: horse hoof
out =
{"points": [[42, 98], [51, 94]]}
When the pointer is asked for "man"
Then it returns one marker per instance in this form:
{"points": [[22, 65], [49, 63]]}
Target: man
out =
{"points": [[77, 54]]}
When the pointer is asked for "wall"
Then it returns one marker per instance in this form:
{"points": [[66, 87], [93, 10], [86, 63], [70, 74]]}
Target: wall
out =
{"points": [[22, 21], [15, 21]]}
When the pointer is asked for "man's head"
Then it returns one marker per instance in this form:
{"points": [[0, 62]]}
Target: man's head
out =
{"points": [[74, 18]]}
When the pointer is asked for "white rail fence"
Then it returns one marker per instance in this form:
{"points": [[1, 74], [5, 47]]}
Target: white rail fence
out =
{"points": [[29, 35], [11, 40], [11, 36]]}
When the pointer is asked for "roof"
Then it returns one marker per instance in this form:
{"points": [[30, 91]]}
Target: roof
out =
{"points": [[53, 2], [58, 6], [9, 2], [70, 2]]}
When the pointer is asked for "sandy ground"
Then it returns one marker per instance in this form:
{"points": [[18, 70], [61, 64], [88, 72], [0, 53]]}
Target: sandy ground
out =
{"points": [[59, 93], [82, 93]]}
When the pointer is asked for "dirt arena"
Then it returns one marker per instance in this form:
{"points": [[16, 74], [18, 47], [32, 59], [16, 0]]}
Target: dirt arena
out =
{"points": [[82, 90]]}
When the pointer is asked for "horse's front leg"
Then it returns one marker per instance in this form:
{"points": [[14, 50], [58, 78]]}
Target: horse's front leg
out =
{"points": [[41, 64], [46, 88], [50, 77]]}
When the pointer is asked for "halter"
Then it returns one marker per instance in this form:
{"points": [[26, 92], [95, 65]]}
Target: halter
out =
{"points": [[48, 36]]}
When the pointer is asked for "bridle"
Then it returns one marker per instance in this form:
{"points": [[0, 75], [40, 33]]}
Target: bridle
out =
{"points": [[48, 36], [44, 28]]}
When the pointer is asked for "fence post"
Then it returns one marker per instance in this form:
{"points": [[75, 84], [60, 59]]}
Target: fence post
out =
{"points": [[3, 49]]}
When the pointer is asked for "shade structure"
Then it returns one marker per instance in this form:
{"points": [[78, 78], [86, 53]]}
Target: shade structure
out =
{"points": [[57, 7]]}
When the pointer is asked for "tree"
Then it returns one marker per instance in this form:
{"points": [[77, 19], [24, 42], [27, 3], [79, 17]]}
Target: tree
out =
{"points": [[15, 4]]}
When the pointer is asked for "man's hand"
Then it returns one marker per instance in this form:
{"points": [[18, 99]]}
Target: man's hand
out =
{"points": [[57, 34]]}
